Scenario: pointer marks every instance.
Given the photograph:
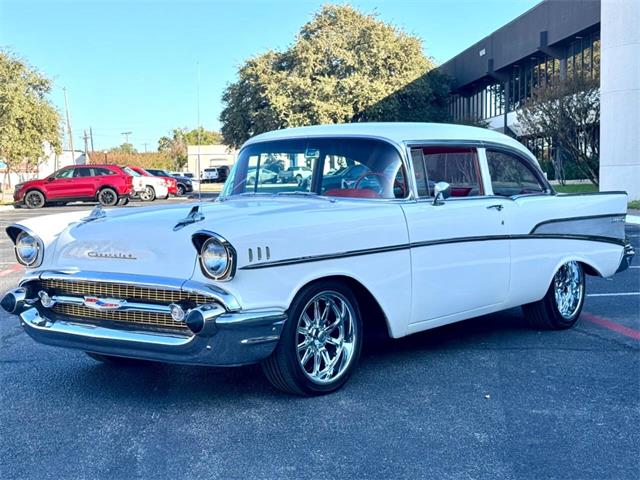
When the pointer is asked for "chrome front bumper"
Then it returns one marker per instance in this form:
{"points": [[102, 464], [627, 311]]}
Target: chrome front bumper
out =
{"points": [[232, 339], [223, 334]]}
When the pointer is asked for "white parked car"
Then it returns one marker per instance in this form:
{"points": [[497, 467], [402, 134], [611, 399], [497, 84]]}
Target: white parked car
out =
{"points": [[209, 175], [147, 186], [441, 224]]}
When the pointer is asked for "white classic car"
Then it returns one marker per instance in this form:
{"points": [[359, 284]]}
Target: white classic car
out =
{"points": [[441, 223]]}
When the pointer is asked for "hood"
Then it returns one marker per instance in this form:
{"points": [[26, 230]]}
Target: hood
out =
{"points": [[143, 240], [134, 240]]}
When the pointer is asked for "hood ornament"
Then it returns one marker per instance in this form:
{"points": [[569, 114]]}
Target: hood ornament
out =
{"points": [[195, 215], [96, 213]]}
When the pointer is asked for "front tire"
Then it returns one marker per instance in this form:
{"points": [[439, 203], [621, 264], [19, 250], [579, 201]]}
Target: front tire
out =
{"points": [[181, 190], [321, 341], [34, 199], [561, 306]]}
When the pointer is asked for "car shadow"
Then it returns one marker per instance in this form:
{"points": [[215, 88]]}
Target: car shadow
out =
{"points": [[178, 383]]}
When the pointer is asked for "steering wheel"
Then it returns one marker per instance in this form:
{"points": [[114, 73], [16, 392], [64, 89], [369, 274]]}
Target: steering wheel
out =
{"points": [[356, 184]]}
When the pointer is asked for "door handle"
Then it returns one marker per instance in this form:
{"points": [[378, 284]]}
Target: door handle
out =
{"points": [[498, 207]]}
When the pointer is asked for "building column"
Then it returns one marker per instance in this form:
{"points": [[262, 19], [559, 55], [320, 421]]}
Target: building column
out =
{"points": [[620, 97]]}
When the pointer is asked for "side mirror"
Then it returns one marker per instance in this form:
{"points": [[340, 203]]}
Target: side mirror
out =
{"points": [[441, 191], [51, 178]]}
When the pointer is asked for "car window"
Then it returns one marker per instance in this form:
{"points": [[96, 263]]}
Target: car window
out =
{"points": [[82, 172], [456, 166], [511, 176], [131, 171], [65, 173], [102, 171]]}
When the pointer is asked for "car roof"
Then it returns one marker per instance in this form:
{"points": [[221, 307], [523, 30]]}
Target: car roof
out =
{"points": [[397, 132]]}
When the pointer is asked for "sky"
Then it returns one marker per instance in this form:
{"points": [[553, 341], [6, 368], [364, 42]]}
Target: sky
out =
{"points": [[133, 66]]}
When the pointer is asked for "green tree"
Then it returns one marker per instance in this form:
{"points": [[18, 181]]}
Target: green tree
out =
{"points": [[567, 112], [345, 66], [28, 120], [175, 144], [124, 148]]}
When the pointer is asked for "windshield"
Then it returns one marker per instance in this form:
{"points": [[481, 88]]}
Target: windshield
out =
{"points": [[334, 167]]}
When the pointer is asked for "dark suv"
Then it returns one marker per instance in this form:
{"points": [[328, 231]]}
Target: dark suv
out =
{"points": [[107, 184], [183, 183]]}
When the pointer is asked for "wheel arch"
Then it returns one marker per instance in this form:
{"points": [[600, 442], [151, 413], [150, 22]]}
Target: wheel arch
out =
{"points": [[374, 318], [102, 187], [36, 189], [588, 266]]}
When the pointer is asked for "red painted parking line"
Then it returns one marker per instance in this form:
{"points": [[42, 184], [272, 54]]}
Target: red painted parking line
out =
{"points": [[12, 269], [616, 327]]}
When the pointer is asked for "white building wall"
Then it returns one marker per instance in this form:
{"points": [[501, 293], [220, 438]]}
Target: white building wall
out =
{"points": [[620, 97], [210, 156]]}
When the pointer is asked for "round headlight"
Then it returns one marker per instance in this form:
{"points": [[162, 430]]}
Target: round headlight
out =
{"points": [[215, 257], [27, 248]]}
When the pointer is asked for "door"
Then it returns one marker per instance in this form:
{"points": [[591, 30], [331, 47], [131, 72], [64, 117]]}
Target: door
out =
{"points": [[60, 184], [459, 248], [84, 182]]}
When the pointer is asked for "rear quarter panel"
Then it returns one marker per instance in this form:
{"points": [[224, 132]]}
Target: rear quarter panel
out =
{"points": [[563, 228]]}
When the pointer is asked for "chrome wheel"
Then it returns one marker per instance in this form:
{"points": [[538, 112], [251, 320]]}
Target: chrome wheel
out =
{"points": [[147, 194], [326, 337], [568, 287]]}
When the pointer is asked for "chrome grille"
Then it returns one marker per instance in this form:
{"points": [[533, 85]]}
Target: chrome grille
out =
{"points": [[144, 318], [123, 292]]}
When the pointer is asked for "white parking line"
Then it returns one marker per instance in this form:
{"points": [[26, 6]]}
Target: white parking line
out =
{"points": [[626, 294], [634, 266]]}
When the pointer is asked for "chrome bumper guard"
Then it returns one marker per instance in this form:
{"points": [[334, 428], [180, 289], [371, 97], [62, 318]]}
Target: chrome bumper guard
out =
{"points": [[225, 336], [627, 256]]}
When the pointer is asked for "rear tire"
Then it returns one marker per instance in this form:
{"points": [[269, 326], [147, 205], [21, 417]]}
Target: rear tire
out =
{"points": [[561, 306], [34, 199], [320, 343], [181, 190], [122, 201], [107, 197], [148, 194]]}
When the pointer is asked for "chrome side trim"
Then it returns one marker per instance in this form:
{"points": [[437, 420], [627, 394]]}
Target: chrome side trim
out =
{"points": [[607, 225], [216, 293], [428, 243]]}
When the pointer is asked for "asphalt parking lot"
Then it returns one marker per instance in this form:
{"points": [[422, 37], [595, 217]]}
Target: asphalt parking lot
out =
{"points": [[485, 398]]}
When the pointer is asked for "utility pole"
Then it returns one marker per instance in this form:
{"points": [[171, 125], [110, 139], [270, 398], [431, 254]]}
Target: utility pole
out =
{"points": [[86, 146], [91, 135], [145, 147], [126, 136], [66, 107]]}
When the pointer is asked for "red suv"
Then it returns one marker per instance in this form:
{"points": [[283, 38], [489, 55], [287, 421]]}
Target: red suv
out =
{"points": [[107, 184]]}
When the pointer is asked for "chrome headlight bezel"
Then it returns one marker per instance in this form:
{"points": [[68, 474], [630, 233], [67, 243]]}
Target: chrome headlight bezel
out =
{"points": [[18, 233], [202, 240]]}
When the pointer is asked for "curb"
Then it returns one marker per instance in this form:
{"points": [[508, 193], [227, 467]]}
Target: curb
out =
{"points": [[4, 208]]}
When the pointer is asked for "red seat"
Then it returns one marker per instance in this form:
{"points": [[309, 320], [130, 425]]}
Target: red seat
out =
{"points": [[351, 193], [460, 191]]}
